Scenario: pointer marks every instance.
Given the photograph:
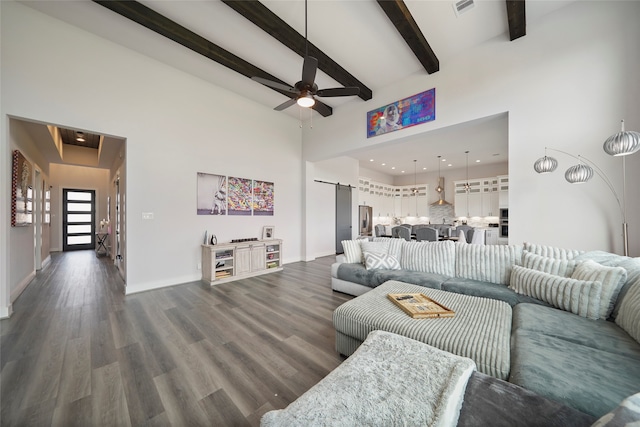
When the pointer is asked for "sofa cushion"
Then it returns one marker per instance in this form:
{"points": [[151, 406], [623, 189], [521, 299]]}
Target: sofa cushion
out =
{"points": [[486, 263], [491, 402], [552, 252], [477, 288], [626, 414], [374, 247], [357, 273], [612, 279], [557, 267], [429, 257], [352, 251], [591, 380], [394, 245], [629, 315], [601, 334], [580, 297], [377, 261], [431, 280]]}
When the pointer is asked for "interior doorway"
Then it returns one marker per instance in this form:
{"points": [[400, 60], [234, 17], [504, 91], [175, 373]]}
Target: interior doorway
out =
{"points": [[343, 216], [78, 219]]}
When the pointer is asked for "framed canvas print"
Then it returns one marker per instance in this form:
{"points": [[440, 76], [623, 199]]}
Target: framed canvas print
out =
{"points": [[407, 112], [262, 198], [212, 194], [21, 191], [267, 232], [240, 196]]}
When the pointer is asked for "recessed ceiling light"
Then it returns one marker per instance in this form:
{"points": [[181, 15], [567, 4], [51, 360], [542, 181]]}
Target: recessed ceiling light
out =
{"points": [[424, 169], [371, 160], [402, 171], [384, 164], [393, 167], [449, 164], [79, 137], [444, 160], [478, 161]]}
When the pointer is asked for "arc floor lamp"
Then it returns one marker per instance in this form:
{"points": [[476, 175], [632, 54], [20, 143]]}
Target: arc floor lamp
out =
{"points": [[620, 144]]}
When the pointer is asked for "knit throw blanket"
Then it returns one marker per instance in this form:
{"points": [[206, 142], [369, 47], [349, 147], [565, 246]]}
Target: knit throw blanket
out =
{"points": [[390, 380]]}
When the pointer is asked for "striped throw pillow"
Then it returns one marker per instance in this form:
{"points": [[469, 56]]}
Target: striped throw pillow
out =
{"points": [[557, 267], [429, 257], [487, 263], [352, 251], [628, 317], [612, 279], [552, 252], [579, 297]]}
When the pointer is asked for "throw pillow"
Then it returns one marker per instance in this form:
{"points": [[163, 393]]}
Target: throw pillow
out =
{"points": [[626, 414], [352, 251], [576, 296], [376, 261], [374, 247], [628, 317], [551, 252], [557, 267], [395, 245], [612, 279], [487, 263], [429, 257]]}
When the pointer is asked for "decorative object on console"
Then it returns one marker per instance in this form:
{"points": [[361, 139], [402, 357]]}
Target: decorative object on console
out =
{"points": [[267, 232], [622, 144], [214, 239]]}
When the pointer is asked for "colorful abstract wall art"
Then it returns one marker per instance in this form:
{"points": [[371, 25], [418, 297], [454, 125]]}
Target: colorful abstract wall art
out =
{"points": [[240, 196], [407, 112], [262, 198], [21, 191]]}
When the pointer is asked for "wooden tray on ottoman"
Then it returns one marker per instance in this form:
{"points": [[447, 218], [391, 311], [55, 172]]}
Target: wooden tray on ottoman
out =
{"points": [[420, 306]]}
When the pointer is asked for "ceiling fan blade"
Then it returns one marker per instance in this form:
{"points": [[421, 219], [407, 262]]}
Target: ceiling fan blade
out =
{"points": [[286, 104], [339, 91], [322, 108], [309, 68], [276, 85]]}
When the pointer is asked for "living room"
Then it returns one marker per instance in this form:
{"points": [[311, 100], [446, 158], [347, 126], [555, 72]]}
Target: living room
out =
{"points": [[566, 85]]}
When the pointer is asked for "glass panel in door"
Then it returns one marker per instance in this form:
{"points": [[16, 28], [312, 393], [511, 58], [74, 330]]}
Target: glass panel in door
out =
{"points": [[78, 221]]}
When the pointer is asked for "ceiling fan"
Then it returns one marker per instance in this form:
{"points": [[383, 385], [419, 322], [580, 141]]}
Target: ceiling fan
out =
{"points": [[304, 92]]}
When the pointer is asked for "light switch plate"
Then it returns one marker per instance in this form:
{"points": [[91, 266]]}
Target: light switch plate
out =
{"points": [[147, 215]]}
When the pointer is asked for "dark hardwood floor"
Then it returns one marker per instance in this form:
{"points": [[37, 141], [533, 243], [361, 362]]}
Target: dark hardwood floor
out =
{"points": [[78, 352]]}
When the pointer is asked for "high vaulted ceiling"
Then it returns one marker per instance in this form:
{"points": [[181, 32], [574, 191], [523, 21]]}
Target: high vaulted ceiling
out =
{"points": [[367, 43]]}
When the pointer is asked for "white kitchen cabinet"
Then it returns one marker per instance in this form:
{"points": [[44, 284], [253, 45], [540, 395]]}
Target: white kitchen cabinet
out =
{"points": [[491, 236]]}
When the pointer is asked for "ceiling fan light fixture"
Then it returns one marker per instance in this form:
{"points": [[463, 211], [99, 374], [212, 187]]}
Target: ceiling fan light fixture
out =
{"points": [[306, 100]]}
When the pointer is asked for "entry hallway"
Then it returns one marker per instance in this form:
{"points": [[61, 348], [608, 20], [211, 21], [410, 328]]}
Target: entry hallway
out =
{"points": [[78, 352]]}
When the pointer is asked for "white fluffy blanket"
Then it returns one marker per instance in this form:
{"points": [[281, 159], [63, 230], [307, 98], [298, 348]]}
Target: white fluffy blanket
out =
{"points": [[390, 380]]}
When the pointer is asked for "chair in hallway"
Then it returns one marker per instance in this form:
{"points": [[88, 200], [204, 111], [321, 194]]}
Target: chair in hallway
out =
{"points": [[401, 232], [427, 234]]}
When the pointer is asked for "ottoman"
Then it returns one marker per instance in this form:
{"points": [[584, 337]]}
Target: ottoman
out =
{"points": [[480, 329]]}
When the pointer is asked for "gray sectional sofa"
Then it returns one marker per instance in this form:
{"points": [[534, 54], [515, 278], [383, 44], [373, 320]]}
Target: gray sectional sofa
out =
{"points": [[575, 335]]}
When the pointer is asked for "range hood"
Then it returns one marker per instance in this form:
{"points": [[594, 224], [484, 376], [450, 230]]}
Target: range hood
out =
{"points": [[440, 189]]}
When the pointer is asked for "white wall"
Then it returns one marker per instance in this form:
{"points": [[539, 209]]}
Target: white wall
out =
{"points": [[321, 206], [566, 84], [175, 124], [21, 256]]}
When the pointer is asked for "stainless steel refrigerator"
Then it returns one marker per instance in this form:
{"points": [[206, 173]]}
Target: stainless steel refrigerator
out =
{"points": [[365, 219]]}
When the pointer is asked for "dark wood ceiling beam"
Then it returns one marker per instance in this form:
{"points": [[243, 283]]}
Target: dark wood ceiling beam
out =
{"points": [[271, 23], [402, 19], [162, 25], [517, 19]]}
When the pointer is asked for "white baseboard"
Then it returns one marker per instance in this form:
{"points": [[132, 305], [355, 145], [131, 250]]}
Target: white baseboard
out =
{"points": [[15, 293], [134, 289], [46, 261], [6, 312]]}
